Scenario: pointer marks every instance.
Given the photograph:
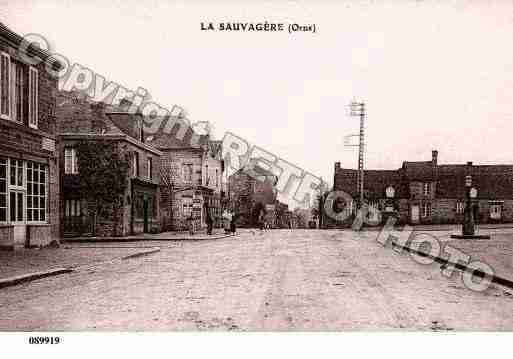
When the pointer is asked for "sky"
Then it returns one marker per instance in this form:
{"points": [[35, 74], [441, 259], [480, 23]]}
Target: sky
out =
{"points": [[433, 74]]}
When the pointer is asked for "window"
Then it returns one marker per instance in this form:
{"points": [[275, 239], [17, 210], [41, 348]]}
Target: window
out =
{"points": [[460, 206], [70, 161], [16, 206], [33, 95], [217, 177], [427, 188], [187, 172], [36, 192], [16, 175], [3, 190], [495, 211], [18, 99], [426, 209], [150, 167], [5, 84], [207, 177], [135, 165], [186, 207]]}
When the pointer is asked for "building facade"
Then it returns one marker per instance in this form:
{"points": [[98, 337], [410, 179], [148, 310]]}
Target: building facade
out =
{"points": [[251, 192], [83, 122], [427, 192], [192, 179], [29, 169]]}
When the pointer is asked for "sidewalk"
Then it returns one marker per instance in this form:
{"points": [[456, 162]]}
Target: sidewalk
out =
{"points": [[165, 236], [456, 228], [23, 262]]}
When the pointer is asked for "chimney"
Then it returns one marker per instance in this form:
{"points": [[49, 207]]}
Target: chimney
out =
{"points": [[337, 166], [469, 163], [434, 157]]}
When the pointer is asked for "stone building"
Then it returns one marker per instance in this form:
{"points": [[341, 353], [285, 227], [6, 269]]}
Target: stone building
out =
{"points": [[29, 170], [428, 192], [251, 189], [80, 120], [192, 178]]}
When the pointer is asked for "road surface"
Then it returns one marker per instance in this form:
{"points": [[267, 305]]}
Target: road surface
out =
{"points": [[279, 280]]}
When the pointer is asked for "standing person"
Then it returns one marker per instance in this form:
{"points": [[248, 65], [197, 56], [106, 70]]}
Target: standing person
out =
{"points": [[190, 224], [261, 222], [227, 218], [232, 223]]}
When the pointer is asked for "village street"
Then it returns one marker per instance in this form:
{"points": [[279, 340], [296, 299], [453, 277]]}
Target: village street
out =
{"points": [[278, 280]]}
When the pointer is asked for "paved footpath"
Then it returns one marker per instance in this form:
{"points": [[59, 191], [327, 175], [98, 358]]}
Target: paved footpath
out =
{"points": [[279, 280]]}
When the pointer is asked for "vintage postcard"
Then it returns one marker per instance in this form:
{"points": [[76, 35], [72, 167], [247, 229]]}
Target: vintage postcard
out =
{"points": [[255, 166]]}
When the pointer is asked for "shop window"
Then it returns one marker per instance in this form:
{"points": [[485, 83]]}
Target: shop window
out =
{"points": [[37, 192]]}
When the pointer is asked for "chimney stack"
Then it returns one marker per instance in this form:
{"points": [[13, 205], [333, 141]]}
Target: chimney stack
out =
{"points": [[434, 157], [337, 166]]}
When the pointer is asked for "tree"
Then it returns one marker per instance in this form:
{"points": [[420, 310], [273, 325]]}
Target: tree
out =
{"points": [[103, 177]]}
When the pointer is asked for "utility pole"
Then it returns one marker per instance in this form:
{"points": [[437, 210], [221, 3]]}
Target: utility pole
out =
{"points": [[358, 110]]}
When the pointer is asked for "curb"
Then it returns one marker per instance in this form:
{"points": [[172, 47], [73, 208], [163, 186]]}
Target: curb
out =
{"points": [[11, 281], [478, 273], [141, 254]]}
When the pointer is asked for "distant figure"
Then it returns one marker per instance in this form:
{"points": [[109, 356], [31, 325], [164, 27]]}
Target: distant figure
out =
{"points": [[190, 224], [227, 220], [232, 223], [261, 221], [208, 220]]}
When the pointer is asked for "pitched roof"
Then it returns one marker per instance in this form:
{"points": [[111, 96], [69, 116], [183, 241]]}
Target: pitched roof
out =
{"points": [[253, 170], [491, 181], [174, 139], [420, 170], [375, 182]]}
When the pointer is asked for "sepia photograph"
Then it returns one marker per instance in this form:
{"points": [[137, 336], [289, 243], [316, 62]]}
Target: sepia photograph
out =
{"points": [[247, 167]]}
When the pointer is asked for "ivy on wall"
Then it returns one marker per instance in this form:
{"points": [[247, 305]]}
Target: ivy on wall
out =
{"points": [[103, 175]]}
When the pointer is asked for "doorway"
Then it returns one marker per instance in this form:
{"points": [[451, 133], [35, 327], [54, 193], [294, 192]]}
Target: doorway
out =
{"points": [[145, 214], [16, 215]]}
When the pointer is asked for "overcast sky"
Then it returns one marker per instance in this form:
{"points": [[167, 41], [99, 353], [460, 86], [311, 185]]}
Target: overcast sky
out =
{"points": [[434, 75]]}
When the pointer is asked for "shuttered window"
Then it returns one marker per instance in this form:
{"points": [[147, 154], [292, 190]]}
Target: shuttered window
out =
{"points": [[18, 95], [33, 96], [5, 85]]}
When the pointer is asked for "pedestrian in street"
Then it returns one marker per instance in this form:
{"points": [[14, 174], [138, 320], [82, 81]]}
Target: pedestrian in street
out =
{"points": [[190, 224], [232, 224], [227, 219]]}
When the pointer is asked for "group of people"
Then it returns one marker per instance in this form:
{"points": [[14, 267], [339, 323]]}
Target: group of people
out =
{"points": [[228, 218]]}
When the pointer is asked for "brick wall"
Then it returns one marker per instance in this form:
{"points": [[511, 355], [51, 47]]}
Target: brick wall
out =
{"points": [[20, 141]]}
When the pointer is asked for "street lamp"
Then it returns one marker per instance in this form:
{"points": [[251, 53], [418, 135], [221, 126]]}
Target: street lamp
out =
{"points": [[468, 227]]}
